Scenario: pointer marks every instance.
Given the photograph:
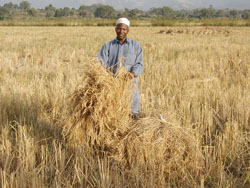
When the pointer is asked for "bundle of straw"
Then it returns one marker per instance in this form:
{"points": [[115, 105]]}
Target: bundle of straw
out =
{"points": [[100, 107], [168, 151], [99, 119]]}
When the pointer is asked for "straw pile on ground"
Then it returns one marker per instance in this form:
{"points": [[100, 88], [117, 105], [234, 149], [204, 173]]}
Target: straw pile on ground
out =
{"points": [[100, 119], [196, 31], [100, 108], [170, 152]]}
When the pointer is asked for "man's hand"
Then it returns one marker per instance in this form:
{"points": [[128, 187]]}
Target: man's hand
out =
{"points": [[130, 75]]}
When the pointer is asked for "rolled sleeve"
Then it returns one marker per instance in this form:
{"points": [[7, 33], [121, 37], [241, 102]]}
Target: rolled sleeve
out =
{"points": [[103, 55]]}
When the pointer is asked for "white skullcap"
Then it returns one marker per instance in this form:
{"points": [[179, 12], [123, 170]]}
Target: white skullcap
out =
{"points": [[123, 21]]}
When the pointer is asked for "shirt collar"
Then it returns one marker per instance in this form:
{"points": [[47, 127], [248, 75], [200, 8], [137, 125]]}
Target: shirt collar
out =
{"points": [[126, 41]]}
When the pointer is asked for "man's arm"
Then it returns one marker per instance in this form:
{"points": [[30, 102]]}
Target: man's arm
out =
{"points": [[103, 55], [138, 67]]}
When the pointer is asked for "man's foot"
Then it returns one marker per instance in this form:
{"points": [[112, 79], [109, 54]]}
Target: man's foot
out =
{"points": [[138, 116], [135, 116]]}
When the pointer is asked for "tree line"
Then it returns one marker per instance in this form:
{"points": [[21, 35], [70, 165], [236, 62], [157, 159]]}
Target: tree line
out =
{"points": [[24, 9]]}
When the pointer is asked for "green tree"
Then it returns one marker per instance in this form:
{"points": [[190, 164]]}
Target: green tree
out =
{"points": [[134, 13], [246, 14], [83, 13], [32, 12], [233, 13], [83, 7], [87, 11], [220, 13], [182, 14], [4, 13], [211, 11], [204, 13], [50, 7], [124, 13], [105, 12], [59, 13], [24, 5], [11, 8], [165, 12], [72, 12], [207, 13], [66, 11], [196, 13], [50, 10], [9, 5], [62, 12]]}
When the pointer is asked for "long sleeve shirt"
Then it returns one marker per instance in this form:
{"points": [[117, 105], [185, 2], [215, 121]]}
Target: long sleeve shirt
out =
{"points": [[129, 54]]}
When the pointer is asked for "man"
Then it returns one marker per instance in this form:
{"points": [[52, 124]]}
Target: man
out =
{"points": [[127, 51]]}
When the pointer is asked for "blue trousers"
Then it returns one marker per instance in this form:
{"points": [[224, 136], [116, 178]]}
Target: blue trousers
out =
{"points": [[135, 103]]}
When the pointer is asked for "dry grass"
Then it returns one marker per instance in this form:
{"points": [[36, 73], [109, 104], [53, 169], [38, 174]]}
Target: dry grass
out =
{"points": [[196, 31], [168, 154], [199, 84], [100, 108], [100, 121]]}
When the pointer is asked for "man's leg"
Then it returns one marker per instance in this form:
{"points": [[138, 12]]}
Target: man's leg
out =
{"points": [[135, 104]]}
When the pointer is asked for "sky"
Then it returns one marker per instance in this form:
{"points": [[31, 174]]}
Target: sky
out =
{"points": [[140, 4]]}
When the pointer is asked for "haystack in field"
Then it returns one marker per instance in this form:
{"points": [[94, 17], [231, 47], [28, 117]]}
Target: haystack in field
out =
{"points": [[100, 119], [100, 107], [171, 152], [196, 31]]}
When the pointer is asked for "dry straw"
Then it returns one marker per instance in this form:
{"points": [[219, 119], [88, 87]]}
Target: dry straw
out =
{"points": [[100, 119], [196, 31], [170, 152], [100, 107]]}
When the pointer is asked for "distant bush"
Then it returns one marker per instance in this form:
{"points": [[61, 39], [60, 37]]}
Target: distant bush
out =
{"points": [[105, 12], [4, 13], [24, 5], [32, 12]]}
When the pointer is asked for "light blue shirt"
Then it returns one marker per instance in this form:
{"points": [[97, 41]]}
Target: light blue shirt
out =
{"points": [[129, 54]]}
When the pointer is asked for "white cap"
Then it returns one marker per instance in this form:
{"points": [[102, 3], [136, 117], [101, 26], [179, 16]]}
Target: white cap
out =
{"points": [[123, 20]]}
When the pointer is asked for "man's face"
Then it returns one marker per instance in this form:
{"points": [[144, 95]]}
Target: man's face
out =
{"points": [[121, 31]]}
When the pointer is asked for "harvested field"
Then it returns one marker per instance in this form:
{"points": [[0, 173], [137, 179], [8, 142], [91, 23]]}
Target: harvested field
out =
{"points": [[100, 121], [60, 126], [196, 31]]}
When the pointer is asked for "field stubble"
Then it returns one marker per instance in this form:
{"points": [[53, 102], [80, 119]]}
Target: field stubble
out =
{"points": [[197, 82]]}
